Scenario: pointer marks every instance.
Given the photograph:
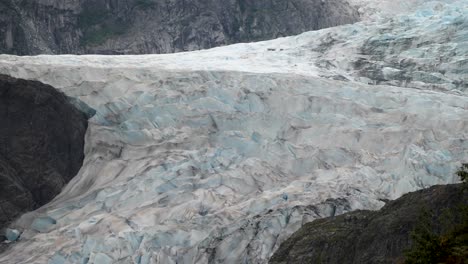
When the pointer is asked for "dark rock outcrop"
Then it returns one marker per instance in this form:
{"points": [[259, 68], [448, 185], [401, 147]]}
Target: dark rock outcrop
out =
{"points": [[41, 145], [369, 236], [157, 26]]}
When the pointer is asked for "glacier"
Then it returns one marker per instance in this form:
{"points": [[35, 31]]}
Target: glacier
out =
{"points": [[217, 156]]}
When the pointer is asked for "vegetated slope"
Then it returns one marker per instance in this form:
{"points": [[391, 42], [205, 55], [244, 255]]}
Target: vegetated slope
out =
{"points": [[42, 141], [376, 236], [157, 26]]}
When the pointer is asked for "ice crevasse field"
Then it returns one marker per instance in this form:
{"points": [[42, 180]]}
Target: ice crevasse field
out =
{"points": [[217, 156]]}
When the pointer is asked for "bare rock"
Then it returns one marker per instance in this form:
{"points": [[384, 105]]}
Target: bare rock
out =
{"points": [[41, 145]]}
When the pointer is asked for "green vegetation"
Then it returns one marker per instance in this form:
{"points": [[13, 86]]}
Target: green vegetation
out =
{"points": [[253, 16], [92, 17], [463, 173], [145, 3], [101, 33], [99, 25], [450, 245]]}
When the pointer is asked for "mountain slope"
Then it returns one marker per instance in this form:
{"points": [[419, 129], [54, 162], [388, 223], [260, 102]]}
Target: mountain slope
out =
{"points": [[373, 236], [157, 26], [42, 140]]}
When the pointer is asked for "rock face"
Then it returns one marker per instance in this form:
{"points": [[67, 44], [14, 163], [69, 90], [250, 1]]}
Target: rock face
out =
{"points": [[369, 236], [157, 26], [41, 139]]}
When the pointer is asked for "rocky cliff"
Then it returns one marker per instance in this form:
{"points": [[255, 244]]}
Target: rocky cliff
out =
{"points": [[157, 26], [371, 236], [41, 145]]}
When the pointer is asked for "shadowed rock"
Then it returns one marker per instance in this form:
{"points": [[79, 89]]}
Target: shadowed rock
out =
{"points": [[369, 236], [41, 145]]}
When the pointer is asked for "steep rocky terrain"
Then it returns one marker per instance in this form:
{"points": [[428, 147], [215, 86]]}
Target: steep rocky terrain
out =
{"points": [[41, 145], [157, 26], [372, 236]]}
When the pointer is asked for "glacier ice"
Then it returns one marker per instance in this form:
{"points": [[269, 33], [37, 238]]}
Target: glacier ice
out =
{"points": [[43, 224], [12, 234], [217, 156]]}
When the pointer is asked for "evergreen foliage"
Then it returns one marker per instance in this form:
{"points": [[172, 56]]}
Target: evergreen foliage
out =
{"points": [[463, 173], [450, 245]]}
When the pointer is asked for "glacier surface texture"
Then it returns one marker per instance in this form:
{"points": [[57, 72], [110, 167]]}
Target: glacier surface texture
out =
{"points": [[217, 156]]}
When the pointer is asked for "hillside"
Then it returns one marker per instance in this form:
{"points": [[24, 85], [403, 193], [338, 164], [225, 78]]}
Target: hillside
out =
{"points": [[375, 236], [157, 26]]}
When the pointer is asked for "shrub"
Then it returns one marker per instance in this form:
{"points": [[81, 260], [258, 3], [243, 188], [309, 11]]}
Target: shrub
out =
{"points": [[463, 173], [451, 246]]}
